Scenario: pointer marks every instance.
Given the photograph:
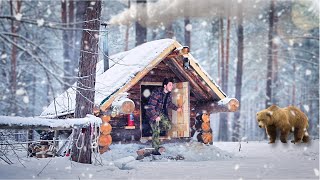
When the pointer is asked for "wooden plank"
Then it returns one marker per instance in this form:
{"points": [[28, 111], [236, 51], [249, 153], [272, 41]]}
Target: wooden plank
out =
{"points": [[139, 76], [186, 109], [181, 120], [196, 88], [182, 77], [151, 83], [207, 80], [196, 67]]}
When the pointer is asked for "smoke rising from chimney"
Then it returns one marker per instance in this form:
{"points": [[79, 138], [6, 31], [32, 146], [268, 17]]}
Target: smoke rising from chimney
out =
{"points": [[166, 11]]}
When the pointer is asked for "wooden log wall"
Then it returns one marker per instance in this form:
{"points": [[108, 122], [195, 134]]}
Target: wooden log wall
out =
{"points": [[161, 71], [119, 133]]}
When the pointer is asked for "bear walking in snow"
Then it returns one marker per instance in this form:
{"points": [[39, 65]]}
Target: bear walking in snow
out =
{"points": [[288, 119]]}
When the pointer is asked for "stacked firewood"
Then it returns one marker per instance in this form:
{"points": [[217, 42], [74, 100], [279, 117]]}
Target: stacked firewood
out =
{"points": [[202, 125], [105, 138]]}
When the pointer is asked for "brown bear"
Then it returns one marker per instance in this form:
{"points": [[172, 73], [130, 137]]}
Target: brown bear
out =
{"points": [[288, 119]]}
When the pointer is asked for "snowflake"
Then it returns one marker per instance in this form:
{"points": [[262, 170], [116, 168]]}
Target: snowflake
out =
{"points": [[3, 56], [26, 99], [40, 22], [20, 92], [204, 23], [308, 72], [18, 16], [316, 171], [236, 167], [276, 40], [49, 11], [189, 27]]}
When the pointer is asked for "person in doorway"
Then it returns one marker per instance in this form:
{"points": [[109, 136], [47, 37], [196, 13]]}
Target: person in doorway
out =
{"points": [[159, 103]]}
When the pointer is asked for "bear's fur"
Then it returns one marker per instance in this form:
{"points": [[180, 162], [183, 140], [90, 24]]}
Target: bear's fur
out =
{"points": [[288, 119]]}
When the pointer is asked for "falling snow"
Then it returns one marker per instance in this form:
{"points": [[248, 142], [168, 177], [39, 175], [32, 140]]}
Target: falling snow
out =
{"points": [[40, 22], [188, 27], [18, 16]]}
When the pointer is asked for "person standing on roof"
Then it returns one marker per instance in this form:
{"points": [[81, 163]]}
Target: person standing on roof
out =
{"points": [[157, 111]]}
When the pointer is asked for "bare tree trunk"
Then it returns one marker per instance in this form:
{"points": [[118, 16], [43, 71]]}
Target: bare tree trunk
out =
{"points": [[187, 32], [269, 66], [219, 56], [127, 32], [80, 11], [66, 46], [223, 125], [141, 32], [225, 89], [15, 9], [71, 39], [236, 129], [169, 31], [293, 101], [222, 53], [275, 83], [86, 80]]}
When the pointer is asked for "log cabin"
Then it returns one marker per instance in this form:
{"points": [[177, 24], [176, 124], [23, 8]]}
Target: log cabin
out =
{"points": [[134, 74]]}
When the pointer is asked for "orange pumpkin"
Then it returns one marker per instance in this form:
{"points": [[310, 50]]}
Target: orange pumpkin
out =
{"points": [[206, 137], [205, 126], [105, 118], [105, 140], [205, 118], [105, 128]]}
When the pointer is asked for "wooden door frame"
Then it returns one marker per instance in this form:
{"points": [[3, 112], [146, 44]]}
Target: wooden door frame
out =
{"points": [[155, 84]]}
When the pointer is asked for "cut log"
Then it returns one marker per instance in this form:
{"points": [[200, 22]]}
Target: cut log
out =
{"points": [[206, 137], [205, 118], [105, 128], [119, 106], [105, 118], [205, 126], [105, 140], [224, 105]]}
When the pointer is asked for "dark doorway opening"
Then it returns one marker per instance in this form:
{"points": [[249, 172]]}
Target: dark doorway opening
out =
{"points": [[146, 91]]}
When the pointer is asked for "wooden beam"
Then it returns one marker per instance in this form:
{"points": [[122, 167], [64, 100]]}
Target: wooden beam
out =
{"points": [[204, 76], [197, 89], [195, 76], [226, 105], [180, 76]]}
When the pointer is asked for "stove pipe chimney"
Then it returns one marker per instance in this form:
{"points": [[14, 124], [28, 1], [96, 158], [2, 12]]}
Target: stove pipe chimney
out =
{"points": [[105, 47]]}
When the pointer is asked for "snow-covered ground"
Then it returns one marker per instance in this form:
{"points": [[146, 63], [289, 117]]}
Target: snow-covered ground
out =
{"points": [[222, 160]]}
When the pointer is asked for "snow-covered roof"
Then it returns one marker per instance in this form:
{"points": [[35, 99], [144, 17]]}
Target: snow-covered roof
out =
{"points": [[123, 67], [121, 75]]}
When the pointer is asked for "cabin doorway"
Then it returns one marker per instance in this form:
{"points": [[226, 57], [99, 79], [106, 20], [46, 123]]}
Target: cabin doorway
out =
{"points": [[146, 90], [180, 120]]}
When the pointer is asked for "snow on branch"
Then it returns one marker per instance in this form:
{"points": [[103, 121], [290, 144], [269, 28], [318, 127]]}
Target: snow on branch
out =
{"points": [[11, 122]]}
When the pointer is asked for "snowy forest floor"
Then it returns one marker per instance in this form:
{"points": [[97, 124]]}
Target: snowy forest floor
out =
{"points": [[222, 160]]}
